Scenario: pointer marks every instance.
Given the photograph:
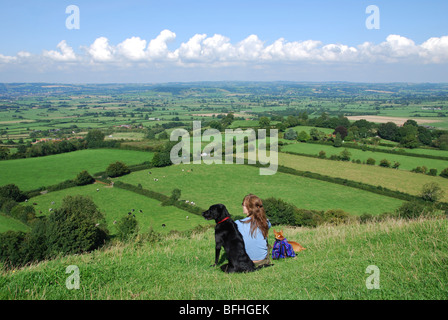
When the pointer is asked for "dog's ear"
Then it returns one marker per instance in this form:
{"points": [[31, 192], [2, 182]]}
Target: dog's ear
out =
{"points": [[225, 212]]}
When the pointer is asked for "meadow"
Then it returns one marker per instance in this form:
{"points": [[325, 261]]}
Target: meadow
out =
{"points": [[33, 173], [177, 267], [116, 203]]}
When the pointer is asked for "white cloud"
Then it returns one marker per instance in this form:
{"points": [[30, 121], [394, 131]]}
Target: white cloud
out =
{"points": [[158, 47], [66, 53], [132, 49], [219, 51], [100, 50]]}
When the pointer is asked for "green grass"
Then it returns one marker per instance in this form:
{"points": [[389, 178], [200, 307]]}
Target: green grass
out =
{"points": [[411, 257], [404, 181], [228, 184], [406, 162], [32, 173], [8, 223], [115, 204]]}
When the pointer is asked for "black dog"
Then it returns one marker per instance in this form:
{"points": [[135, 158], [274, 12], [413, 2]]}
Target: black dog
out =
{"points": [[228, 236]]}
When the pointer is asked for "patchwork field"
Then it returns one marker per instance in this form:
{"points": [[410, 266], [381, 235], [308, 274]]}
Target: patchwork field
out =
{"points": [[404, 181], [406, 162], [228, 184]]}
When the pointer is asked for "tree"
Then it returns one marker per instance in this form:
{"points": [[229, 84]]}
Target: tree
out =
{"points": [[117, 169], [345, 155], [303, 136], [338, 140], [388, 131], [342, 131], [385, 163], [264, 122], [76, 227], [95, 138], [444, 173], [322, 154], [431, 192], [290, 134], [11, 191], [127, 228], [84, 178]]}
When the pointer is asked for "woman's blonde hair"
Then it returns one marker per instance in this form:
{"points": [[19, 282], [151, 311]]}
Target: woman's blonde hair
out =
{"points": [[257, 214]]}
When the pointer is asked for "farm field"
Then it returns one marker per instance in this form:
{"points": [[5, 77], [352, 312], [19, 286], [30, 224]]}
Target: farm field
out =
{"points": [[410, 255], [115, 204], [406, 162], [404, 181], [228, 184], [32, 173]]}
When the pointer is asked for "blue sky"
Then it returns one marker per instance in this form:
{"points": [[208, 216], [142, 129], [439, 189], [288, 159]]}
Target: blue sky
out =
{"points": [[315, 40]]}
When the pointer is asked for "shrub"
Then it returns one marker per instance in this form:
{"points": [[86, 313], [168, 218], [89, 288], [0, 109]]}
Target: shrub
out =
{"points": [[25, 214], [279, 211], [11, 248], [385, 163], [413, 210], [444, 173], [371, 161], [432, 172], [77, 227], [336, 216], [127, 228], [345, 155], [290, 134], [13, 192], [117, 169], [322, 154], [84, 178], [431, 192]]}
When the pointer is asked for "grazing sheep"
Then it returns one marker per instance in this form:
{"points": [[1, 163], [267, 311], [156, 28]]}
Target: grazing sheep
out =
{"points": [[163, 225], [52, 202], [140, 211], [186, 217], [97, 190]]}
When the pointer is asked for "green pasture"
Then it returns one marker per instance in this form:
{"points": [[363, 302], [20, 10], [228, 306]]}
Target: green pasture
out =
{"points": [[406, 162], [229, 183], [116, 203], [32, 173], [8, 223]]}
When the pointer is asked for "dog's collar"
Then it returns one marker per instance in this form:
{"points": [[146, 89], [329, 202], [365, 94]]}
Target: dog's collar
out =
{"points": [[223, 220]]}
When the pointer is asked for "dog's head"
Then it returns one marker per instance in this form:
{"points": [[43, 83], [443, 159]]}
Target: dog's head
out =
{"points": [[217, 212]]}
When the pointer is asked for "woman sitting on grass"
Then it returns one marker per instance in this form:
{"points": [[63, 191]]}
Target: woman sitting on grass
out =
{"points": [[254, 230]]}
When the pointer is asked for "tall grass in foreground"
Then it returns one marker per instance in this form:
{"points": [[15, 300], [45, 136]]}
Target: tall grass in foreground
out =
{"points": [[412, 257]]}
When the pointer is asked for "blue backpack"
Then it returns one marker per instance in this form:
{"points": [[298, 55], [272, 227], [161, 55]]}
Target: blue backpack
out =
{"points": [[282, 249]]}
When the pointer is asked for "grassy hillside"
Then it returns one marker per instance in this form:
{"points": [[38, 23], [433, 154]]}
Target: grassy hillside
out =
{"points": [[8, 223], [228, 184], [33, 173], [411, 257]]}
